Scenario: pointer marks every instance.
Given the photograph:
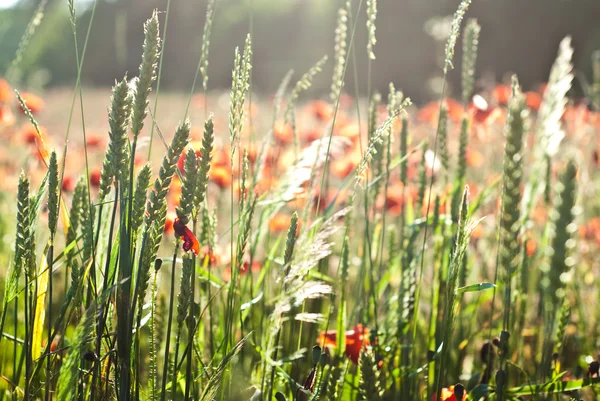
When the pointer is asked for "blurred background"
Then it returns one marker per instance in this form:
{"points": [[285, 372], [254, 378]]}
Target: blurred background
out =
{"points": [[519, 36]]}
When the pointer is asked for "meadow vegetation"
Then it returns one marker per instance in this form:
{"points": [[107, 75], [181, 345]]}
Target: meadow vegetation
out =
{"points": [[350, 247]]}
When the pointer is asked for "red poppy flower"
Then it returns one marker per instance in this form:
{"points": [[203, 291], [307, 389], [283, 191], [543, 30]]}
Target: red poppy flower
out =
{"points": [[30, 135], [5, 91], [187, 236], [95, 177], [430, 112], [533, 100], [196, 145], [220, 176], [356, 339], [502, 93], [321, 110], [168, 224], [281, 223], [93, 141], [6, 116], [350, 131], [68, 184], [283, 132], [481, 112]]}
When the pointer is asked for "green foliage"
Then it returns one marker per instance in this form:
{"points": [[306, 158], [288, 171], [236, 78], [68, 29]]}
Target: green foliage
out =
{"points": [[380, 292]]}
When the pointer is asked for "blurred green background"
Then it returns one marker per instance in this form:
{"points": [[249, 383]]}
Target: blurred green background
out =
{"points": [[519, 36]]}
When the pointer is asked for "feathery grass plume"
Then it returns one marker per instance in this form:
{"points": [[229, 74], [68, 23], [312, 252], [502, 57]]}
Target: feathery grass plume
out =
{"points": [[302, 85], [290, 241], [139, 198], [241, 246], [52, 195], [463, 235], [156, 208], [205, 161], [555, 99], [244, 234], [214, 382], [511, 193], [77, 205], [157, 200], [296, 289], [470, 45], [561, 232], [86, 216], [330, 390], [379, 146], [595, 92], [118, 120], [281, 89], [190, 180], [183, 306], [560, 260], [561, 329], [461, 166], [240, 84], [408, 287], [210, 16], [376, 140], [207, 231], [13, 72], [394, 97], [21, 257], [70, 371], [243, 193], [369, 384], [41, 146], [72, 16], [341, 34], [371, 18], [549, 130], [106, 175], [454, 33], [147, 74], [443, 139]]}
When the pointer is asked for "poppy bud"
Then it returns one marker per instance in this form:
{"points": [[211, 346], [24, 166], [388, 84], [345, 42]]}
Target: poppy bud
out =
{"points": [[487, 353], [500, 378], [316, 354], [324, 359], [90, 356], [593, 368], [459, 391], [157, 264]]}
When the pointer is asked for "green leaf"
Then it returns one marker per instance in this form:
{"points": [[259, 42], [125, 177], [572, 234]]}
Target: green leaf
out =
{"points": [[475, 287], [556, 387]]}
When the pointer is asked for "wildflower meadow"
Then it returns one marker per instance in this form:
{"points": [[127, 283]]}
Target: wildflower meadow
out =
{"points": [[343, 246]]}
